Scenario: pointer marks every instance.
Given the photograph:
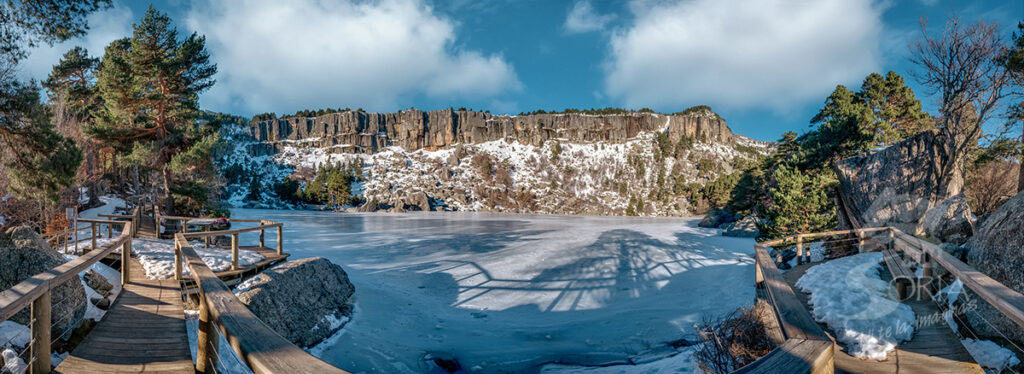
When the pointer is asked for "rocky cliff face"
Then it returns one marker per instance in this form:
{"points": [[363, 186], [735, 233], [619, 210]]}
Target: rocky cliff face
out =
{"points": [[636, 163], [898, 185], [368, 133], [998, 251]]}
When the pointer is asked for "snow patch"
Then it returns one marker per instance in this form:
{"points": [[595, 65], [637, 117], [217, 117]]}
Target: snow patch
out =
{"points": [[850, 297], [990, 355], [157, 257]]}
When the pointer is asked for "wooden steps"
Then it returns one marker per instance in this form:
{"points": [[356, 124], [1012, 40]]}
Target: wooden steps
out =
{"points": [[142, 332]]}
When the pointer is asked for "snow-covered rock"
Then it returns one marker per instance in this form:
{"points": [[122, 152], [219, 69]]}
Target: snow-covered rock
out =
{"points": [[744, 228], [306, 300], [990, 355]]}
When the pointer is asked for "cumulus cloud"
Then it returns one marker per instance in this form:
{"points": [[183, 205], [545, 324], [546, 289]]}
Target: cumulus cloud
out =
{"points": [[582, 18], [281, 55], [104, 27], [768, 54]]}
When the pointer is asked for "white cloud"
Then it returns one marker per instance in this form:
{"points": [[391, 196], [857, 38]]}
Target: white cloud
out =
{"points": [[279, 56], [104, 27], [582, 18], [773, 54]]}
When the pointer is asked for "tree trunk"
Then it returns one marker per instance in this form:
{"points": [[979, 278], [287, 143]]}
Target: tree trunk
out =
{"points": [[168, 199], [135, 179], [1020, 177]]}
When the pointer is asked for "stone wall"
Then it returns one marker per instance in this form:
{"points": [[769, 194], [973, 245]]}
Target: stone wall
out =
{"points": [[360, 132]]}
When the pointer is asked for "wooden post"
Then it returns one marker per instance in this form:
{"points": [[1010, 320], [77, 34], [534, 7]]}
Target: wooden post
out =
{"points": [[177, 260], [860, 241], [126, 255], [800, 250], [207, 238], [892, 238], [280, 241], [110, 231], [758, 274], [926, 275], [261, 237], [75, 225], [93, 226], [206, 340], [41, 334], [234, 251]]}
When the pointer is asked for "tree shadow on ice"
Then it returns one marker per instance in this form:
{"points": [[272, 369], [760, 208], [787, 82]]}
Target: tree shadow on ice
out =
{"points": [[620, 265]]}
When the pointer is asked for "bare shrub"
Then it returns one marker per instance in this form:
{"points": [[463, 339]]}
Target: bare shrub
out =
{"points": [[990, 186], [733, 340]]}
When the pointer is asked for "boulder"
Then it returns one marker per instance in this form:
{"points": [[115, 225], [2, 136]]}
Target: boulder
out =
{"points": [[744, 228], [716, 218], [997, 249], [416, 201], [306, 300], [23, 254], [950, 220], [897, 185], [368, 207], [97, 282]]}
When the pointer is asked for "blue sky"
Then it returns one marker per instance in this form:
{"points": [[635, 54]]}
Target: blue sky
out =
{"points": [[765, 65]]}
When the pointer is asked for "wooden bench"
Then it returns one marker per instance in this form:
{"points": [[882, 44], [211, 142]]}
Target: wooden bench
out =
{"points": [[901, 274]]}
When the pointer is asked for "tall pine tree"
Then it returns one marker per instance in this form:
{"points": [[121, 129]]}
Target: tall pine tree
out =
{"points": [[150, 85]]}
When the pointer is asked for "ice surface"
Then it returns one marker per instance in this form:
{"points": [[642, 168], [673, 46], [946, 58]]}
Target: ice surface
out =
{"points": [[848, 295], [514, 292]]}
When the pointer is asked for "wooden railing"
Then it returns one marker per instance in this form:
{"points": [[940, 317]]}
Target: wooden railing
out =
{"points": [[262, 227], [220, 311], [807, 348], [35, 293]]}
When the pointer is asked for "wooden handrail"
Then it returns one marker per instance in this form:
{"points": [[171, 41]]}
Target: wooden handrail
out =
{"points": [[35, 291], [201, 234], [1006, 300], [259, 346]]}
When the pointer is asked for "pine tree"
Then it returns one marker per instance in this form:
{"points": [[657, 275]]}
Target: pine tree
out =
{"points": [[39, 162], [898, 113], [1014, 63], [72, 80], [151, 84], [801, 204]]}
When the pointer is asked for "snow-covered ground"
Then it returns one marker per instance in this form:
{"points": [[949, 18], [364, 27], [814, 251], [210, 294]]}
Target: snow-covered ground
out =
{"points": [[515, 292], [157, 257], [849, 296]]}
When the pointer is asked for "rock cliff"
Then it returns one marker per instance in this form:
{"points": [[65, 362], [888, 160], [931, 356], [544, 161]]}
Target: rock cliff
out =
{"points": [[632, 163], [367, 133]]}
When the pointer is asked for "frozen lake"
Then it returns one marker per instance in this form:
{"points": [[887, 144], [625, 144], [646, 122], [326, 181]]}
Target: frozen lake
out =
{"points": [[503, 292]]}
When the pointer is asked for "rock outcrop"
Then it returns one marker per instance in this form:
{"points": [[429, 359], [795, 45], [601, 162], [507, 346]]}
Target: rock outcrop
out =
{"points": [[998, 251], [744, 228], [950, 220], [24, 254], [361, 132], [304, 300], [898, 185], [716, 218]]}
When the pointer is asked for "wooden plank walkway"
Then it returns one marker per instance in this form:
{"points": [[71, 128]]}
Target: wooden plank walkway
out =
{"points": [[934, 349], [143, 332]]}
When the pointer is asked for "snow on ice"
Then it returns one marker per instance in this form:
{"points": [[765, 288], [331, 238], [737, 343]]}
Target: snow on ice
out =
{"points": [[849, 295]]}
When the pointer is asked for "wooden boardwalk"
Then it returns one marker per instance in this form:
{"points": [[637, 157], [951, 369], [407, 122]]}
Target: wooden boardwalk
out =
{"points": [[142, 332], [934, 348]]}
